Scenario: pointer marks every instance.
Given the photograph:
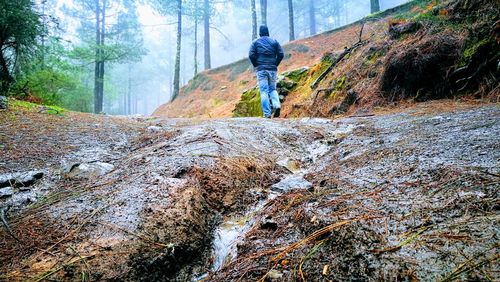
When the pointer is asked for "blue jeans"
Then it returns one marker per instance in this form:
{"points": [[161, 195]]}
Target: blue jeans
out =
{"points": [[268, 94]]}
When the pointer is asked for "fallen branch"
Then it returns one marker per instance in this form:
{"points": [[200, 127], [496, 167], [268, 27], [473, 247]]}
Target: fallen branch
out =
{"points": [[468, 266], [306, 257], [402, 244], [340, 57], [317, 234], [6, 225]]}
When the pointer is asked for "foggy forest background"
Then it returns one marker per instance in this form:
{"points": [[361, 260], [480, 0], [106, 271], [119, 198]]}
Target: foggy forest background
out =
{"points": [[120, 56]]}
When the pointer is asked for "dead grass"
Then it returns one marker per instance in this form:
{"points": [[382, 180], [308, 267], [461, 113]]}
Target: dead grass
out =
{"points": [[34, 140], [345, 228], [229, 185]]}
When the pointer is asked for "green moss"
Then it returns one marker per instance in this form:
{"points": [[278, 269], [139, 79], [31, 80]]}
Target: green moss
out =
{"points": [[249, 105], [372, 58], [18, 104], [374, 15], [296, 75], [339, 85], [31, 107], [412, 13], [471, 49], [326, 61]]}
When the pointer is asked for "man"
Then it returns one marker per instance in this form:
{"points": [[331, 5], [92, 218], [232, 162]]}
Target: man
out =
{"points": [[266, 55]]}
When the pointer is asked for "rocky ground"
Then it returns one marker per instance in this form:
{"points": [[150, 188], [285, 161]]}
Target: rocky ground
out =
{"points": [[402, 195]]}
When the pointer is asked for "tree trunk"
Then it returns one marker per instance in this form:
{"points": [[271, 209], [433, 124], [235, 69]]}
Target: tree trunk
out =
{"points": [[44, 33], [123, 105], [263, 11], [97, 56], [254, 20], [312, 18], [290, 20], [196, 38], [208, 64], [5, 78], [129, 91], [101, 72], [177, 68], [134, 108], [375, 6], [145, 103]]}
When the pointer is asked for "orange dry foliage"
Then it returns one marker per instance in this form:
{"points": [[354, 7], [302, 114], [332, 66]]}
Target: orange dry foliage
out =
{"points": [[443, 12], [393, 22], [431, 6], [314, 69]]}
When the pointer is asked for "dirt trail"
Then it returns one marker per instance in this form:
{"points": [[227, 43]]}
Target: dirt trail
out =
{"points": [[389, 197]]}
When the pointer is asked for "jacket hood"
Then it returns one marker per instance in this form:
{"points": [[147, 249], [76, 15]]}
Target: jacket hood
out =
{"points": [[263, 30]]}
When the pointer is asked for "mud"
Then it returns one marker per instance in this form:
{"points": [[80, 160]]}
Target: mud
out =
{"points": [[390, 197], [416, 195]]}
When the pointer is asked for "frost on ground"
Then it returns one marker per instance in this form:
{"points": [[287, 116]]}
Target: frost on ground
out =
{"points": [[390, 197]]}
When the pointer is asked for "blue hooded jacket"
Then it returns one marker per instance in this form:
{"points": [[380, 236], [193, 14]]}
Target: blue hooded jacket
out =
{"points": [[265, 52]]}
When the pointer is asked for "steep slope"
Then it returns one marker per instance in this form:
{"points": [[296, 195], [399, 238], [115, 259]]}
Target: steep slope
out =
{"points": [[418, 51]]}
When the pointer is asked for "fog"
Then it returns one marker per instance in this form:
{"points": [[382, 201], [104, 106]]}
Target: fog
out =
{"points": [[139, 86]]}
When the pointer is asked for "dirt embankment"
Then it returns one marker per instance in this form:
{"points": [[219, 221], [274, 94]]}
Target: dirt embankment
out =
{"points": [[398, 196], [423, 50]]}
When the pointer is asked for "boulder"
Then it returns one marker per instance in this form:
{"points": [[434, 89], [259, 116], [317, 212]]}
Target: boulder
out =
{"points": [[297, 74], [20, 180], [89, 170], [6, 192], [291, 182]]}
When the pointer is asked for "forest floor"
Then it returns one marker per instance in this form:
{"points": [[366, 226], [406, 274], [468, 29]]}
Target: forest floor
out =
{"points": [[403, 194]]}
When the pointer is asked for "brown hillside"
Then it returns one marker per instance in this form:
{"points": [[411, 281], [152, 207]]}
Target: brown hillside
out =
{"points": [[418, 51], [217, 91]]}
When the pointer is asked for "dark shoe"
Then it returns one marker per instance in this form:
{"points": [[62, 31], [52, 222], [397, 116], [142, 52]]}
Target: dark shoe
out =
{"points": [[277, 112]]}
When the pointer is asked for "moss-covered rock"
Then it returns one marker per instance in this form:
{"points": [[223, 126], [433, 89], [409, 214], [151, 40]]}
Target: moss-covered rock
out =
{"points": [[249, 105], [296, 75]]}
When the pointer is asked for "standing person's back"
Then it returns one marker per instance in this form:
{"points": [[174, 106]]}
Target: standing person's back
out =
{"points": [[266, 55]]}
